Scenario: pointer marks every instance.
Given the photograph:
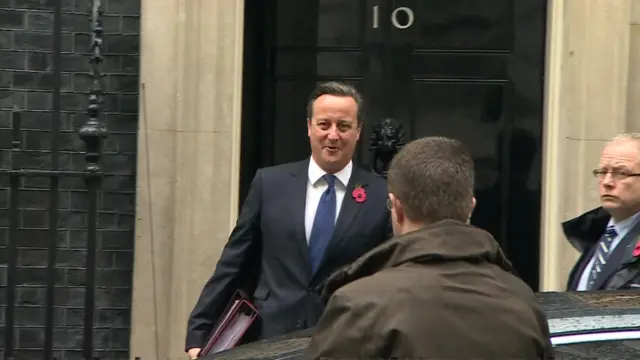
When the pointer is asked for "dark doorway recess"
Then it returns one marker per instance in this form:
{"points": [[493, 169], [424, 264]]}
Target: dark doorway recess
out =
{"points": [[467, 69]]}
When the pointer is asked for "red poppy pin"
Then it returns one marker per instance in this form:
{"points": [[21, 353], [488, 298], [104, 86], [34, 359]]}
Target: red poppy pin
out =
{"points": [[636, 250], [359, 194]]}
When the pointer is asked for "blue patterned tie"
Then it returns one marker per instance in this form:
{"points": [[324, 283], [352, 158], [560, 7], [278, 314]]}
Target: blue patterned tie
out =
{"points": [[323, 223], [602, 254]]}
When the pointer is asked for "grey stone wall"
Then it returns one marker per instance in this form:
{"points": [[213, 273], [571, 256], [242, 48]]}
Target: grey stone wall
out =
{"points": [[28, 80]]}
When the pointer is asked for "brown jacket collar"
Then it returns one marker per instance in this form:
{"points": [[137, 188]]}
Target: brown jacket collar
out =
{"points": [[444, 241]]}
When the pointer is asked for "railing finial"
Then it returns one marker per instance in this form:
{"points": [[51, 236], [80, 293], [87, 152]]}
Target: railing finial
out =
{"points": [[93, 132]]}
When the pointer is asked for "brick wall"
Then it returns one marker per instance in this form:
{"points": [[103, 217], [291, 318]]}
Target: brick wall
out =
{"points": [[28, 80]]}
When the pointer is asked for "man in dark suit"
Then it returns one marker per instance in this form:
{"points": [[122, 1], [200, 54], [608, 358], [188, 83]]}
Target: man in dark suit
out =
{"points": [[608, 237], [299, 223]]}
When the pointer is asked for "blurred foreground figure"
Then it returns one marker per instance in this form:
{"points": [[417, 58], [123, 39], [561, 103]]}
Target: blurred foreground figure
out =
{"points": [[440, 289]]}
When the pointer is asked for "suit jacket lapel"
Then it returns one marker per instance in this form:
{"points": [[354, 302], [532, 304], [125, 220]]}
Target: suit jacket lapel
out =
{"points": [[621, 254], [582, 265], [620, 279], [298, 195], [633, 238], [625, 278]]}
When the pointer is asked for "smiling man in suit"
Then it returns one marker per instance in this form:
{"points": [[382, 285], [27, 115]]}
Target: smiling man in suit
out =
{"points": [[608, 237], [299, 223]]}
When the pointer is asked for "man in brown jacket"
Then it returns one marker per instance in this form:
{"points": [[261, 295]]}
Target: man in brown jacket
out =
{"points": [[440, 289]]}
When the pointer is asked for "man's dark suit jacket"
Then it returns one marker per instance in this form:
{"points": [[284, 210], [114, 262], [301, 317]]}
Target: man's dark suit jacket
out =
{"points": [[622, 270], [267, 253]]}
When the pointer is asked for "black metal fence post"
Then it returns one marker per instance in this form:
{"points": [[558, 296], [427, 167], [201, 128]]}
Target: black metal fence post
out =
{"points": [[93, 133], [12, 245], [54, 184]]}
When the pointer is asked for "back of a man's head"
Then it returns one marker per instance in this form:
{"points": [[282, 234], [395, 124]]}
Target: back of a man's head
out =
{"points": [[432, 178]]}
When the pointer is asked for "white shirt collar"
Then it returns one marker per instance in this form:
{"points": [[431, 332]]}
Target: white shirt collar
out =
{"points": [[316, 173]]}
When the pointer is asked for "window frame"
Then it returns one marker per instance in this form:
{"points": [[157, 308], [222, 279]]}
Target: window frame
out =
{"points": [[603, 336]]}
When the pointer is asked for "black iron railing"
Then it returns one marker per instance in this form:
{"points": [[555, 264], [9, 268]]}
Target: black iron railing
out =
{"points": [[93, 133]]}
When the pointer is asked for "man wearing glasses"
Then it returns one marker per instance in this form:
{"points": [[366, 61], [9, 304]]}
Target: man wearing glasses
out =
{"points": [[608, 237]]}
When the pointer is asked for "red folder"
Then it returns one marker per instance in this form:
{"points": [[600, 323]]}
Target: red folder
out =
{"points": [[232, 325]]}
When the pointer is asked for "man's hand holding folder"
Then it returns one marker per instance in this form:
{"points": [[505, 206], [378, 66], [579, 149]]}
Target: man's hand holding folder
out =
{"points": [[231, 326], [193, 353]]}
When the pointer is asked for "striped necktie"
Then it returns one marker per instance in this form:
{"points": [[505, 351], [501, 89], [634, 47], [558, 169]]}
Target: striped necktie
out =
{"points": [[602, 254]]}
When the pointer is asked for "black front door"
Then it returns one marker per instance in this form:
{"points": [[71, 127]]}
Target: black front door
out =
{"points": [[467, 69]]}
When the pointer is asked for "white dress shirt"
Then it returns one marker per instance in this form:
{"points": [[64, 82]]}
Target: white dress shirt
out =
{"points": [[622, 228], [316, 185]]}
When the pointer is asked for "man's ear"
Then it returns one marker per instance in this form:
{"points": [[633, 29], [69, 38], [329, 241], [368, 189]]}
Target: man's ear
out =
{"points": [[398, 209], [473, 206]]}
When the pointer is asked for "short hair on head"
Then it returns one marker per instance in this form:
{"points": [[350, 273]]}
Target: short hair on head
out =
{"points": [[634, 136], [433, 178], [336, 89], [629, 136]]}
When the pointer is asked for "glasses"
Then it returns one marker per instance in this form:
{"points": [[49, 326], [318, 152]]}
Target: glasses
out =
{"points": [[600, 174]]}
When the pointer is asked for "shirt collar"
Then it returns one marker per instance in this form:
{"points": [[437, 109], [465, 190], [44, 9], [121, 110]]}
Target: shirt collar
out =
{"points": [[625, 225], [316, 173]]}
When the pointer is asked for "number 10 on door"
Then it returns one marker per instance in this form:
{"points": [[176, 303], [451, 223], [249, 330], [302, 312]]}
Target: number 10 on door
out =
{"points": [[394, 17]]}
